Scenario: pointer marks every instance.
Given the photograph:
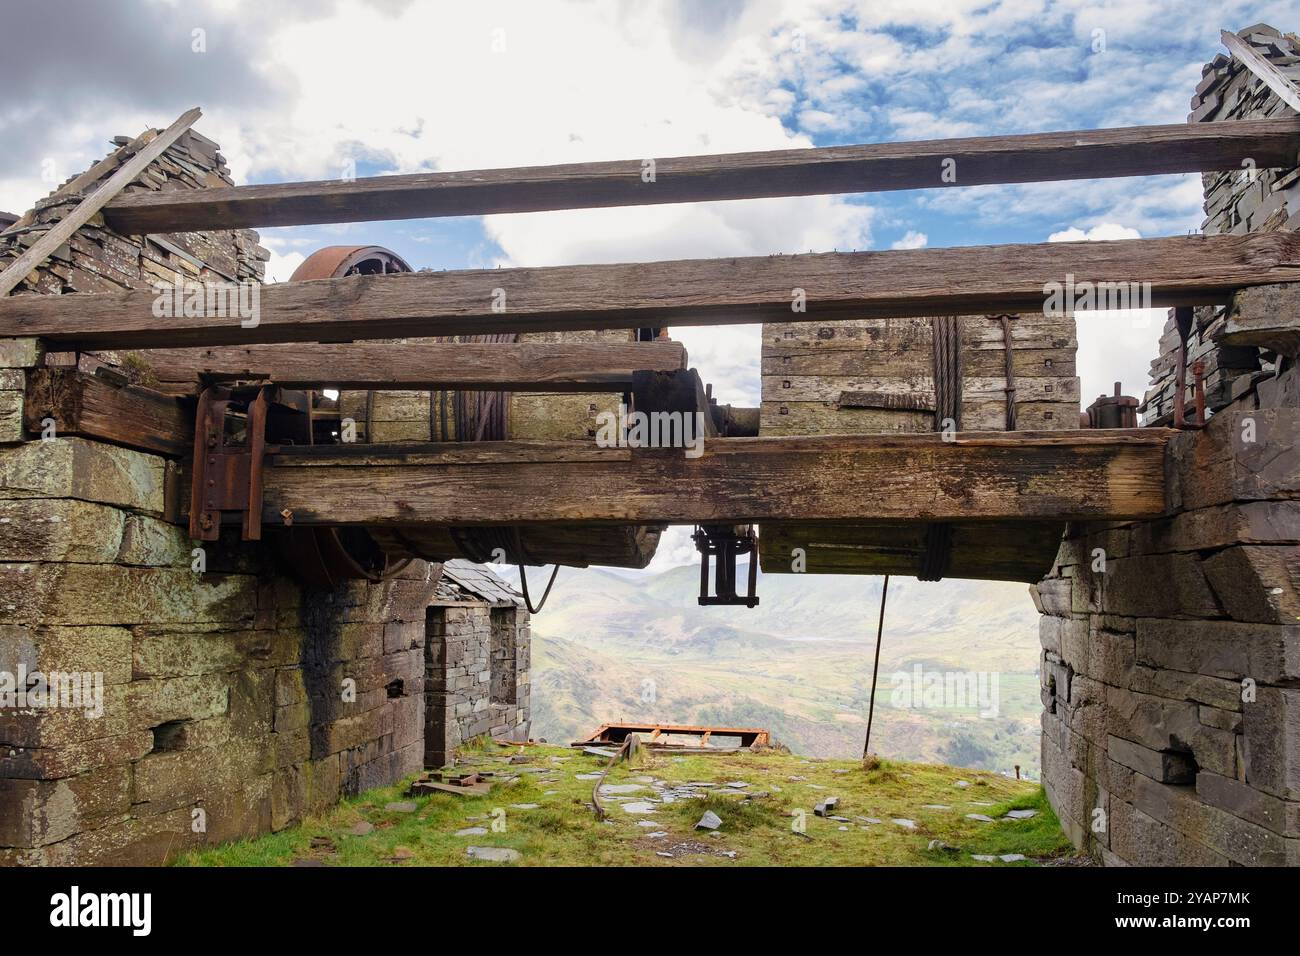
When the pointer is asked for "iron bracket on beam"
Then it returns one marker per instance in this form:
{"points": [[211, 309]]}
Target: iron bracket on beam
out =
{"points": [[725, 543], [227, 476], [1183, 321]]}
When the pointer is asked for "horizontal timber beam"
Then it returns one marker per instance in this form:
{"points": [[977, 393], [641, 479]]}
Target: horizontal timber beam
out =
{"points": [[1078, 475], [876, 167], [515, 367], [971, 280], [80, 403]]}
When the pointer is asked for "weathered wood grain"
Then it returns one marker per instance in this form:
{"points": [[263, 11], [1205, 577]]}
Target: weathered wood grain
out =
{"points": [[1025, 475], [516, 367], [86, 405], [1185, 270], [988, 550], [1036, 157]]}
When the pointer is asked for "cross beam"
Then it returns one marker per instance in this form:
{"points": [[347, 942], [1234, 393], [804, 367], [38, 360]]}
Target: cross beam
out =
{"points": [[1073, 475], [515, 367], [971, 280], [875, 167]]}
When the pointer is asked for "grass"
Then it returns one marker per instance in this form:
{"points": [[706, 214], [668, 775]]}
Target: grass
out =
{"points": [[759, 828]]}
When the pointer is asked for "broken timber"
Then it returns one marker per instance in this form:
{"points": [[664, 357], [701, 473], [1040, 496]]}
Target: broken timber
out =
{"points": [[1068, 475], [1181, 270], [1035, 157]]}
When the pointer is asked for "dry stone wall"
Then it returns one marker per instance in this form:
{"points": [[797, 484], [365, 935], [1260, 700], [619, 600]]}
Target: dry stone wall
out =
{"points": [[1171, 648], [219, 702]]}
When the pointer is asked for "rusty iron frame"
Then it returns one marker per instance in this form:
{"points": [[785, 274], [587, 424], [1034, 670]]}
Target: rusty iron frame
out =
{"points": [[617, 732], [227, 477]]}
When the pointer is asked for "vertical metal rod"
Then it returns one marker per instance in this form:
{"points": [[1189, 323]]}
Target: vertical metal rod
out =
{"points": [[875, 668]]}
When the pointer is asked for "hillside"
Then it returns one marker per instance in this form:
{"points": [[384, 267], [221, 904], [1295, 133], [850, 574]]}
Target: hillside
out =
{"points": [[610, 646]]}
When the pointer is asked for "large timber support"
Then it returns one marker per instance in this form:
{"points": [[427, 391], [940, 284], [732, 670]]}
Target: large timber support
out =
{"points": [[977, 476]]}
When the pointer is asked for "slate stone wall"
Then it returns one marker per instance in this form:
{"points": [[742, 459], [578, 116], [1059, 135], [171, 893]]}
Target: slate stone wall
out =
{"points": [[1171, 648]]}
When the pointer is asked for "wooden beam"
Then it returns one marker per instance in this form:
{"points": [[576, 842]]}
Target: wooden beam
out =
{"points": [[973, 280], [59, 233], [86, 178], [1273, 78], [1079, 475], [1037, 157], [87, 405], [519, 367]]}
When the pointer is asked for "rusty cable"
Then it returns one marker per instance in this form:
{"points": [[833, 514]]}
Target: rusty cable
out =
{"points": [[875, 668]]}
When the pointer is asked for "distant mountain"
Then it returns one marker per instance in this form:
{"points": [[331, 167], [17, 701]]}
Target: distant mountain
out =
{"points": [[611, 645]]}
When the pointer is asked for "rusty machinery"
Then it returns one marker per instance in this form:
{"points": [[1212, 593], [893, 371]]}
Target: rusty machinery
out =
{"points": [[235, 424]]}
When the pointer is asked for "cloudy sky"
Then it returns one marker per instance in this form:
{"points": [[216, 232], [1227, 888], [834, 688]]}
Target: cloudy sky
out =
{"points": [[302, 90]]}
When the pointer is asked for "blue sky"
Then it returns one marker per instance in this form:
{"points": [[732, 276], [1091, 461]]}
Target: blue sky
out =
{"points": [[396, 86]]}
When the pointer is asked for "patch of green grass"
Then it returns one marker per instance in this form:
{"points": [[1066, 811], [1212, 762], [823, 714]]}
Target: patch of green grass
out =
{"points": [[563, 830]]}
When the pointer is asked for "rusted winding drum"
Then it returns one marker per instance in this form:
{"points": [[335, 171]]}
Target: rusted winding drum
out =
{"points": [[404, 415]]}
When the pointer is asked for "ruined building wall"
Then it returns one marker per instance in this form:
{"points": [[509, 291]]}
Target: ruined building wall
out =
{"points": [[477, 662], [226, 704], [1171, 648]]}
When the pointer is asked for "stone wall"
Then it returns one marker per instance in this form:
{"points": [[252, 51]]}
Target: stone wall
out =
{"points": [[1171, 648], [222, 699], [225, 708], [476, 666]]}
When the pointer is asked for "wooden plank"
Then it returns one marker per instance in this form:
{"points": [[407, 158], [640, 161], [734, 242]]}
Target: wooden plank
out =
{"points": [[87, 405], [515, 367], [60, 232], [1078, 475], [1187, 270], [1036, 157], [1011, 550], [86, 178], [1275, 79]]}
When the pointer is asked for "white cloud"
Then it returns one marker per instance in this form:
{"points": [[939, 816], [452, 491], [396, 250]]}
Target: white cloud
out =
{"points": [[1107, 230], [911, 240], [1116, 345]]}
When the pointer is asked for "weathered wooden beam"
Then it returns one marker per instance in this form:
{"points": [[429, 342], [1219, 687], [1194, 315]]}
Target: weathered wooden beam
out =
{"points": [[1185, 270], [1036, 157], [515, 367], [83, 404], [58, 233], [1079, 475]]}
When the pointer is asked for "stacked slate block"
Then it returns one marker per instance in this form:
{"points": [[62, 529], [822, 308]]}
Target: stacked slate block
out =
{"points": [[476, 662], [1171, 648], [1236, 202]]}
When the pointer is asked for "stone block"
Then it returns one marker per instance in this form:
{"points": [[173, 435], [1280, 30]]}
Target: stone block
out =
{"points": [[1164, 766], [1224, 833], [1242, 800], [1162, 724], [1228, 649], [102, 650], [88, 470], [1271, 738], [1257, 582], [36, 812], [58, 529]]}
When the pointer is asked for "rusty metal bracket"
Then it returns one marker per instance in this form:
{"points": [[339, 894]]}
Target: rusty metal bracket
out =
{"points": [[725, 543], [1183, 321], [227, 477]]}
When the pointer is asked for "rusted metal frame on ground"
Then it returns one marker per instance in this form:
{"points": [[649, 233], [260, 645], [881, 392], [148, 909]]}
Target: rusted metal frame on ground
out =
{"points": [[615, 732]]}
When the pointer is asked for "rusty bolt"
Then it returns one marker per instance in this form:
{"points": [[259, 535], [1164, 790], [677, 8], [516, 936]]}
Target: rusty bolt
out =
{"points": [[287, 515], [205, 521]]}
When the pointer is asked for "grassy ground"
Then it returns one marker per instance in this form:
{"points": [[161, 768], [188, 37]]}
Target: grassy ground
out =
{"points": [[758, 830]]}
